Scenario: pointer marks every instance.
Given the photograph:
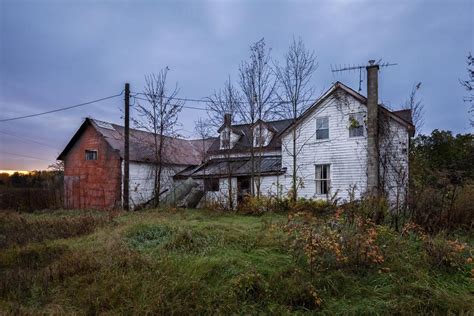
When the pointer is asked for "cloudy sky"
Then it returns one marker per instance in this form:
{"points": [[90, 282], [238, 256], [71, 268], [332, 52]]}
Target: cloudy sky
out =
{"points": [[59, 53]]}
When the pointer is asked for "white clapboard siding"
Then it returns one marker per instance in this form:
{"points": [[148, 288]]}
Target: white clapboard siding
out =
{"points": [[142, 180], [346, 155]]}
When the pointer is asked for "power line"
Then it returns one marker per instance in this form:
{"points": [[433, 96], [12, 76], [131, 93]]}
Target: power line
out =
{"points": [[174, 98], [184, 106], [60, 109], [24, 156], [28, 140], [208, 100]]}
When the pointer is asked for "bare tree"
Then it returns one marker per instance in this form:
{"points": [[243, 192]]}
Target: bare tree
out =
{"points": [[416, 106], [294, 78], [58, 166], [224, 102], [469, 86], [257, 82], [203, 129], [158, 114]]}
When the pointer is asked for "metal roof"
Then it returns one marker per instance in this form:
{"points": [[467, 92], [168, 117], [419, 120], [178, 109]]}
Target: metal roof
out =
{"points": [[176, 151], [217, 168]]}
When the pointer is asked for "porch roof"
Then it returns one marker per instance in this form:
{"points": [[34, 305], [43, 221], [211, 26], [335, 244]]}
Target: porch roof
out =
{"points": [[238, 166]]}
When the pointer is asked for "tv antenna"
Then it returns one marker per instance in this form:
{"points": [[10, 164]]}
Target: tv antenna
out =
{"points": [[341, 68]]}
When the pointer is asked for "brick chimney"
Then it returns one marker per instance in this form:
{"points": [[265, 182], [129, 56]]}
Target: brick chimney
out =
{"points": [[372, 128], [227, 120]]}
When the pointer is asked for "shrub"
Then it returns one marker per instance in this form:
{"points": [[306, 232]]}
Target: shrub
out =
{"points": [[335, 243], [316, 207], [261, 205], [372, 208], [250, 286], [446, 253]]}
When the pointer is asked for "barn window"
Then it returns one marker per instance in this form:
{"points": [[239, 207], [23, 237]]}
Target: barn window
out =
{"points": [[91, 154], [356, 125], [323, 179], [211, 184], [322, 127]]}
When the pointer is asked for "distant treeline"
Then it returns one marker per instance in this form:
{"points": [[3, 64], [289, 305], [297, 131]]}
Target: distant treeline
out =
{"points": [[33, 191]]}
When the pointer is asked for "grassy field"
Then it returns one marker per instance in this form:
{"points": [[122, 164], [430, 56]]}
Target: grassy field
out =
{"points": [[200, 262]]}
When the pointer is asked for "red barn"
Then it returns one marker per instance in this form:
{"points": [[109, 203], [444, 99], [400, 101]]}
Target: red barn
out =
{"points": [[93, 165]]}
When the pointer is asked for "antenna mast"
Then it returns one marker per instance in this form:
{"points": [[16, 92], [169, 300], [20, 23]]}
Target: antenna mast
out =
{"points": [[340, 68]]}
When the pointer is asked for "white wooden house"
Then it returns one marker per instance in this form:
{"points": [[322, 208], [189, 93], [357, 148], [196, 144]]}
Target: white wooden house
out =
{"points": [[333, 151]]}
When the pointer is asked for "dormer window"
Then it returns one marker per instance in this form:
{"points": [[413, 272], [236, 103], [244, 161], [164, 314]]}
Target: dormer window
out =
{"points": [[225, 139], [261, 136]]}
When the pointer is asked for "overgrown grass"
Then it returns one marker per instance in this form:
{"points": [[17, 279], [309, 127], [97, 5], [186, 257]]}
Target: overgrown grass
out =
{"points": [[200, 262]]}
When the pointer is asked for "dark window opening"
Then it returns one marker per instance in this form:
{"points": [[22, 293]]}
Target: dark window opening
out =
{"points": [[91, 154], [323, 179], [211, 185]]}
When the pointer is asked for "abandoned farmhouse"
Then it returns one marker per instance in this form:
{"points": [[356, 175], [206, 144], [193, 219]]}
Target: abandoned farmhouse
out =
{"points": [[347, 144]]}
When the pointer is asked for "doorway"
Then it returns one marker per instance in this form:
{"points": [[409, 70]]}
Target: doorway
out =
{"points": [[243, 188]]}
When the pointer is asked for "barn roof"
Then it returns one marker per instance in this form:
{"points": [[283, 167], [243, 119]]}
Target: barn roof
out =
{"points": [[176, 151]]}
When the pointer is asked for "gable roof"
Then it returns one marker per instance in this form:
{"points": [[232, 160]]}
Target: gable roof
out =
{"points": [[176, 151], [403, 116], [245, 143]]}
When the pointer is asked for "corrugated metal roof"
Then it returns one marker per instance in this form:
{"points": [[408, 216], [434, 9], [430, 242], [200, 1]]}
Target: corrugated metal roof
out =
{"points": [[238, 167], [176, 151]]}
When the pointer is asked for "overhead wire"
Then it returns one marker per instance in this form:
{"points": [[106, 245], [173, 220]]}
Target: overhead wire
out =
{"points": [[207, 100], [60, 109], [184, 106], [19, 155], [26, 139]]}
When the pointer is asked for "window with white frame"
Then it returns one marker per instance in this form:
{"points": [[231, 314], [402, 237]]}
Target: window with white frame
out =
{"points": [[225, 139], [91, 154], [323, 179], [259, 136], [356, 125], [322, 127]]}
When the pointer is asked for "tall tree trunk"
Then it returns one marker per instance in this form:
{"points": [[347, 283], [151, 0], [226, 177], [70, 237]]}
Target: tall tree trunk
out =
{"points": [[294, 175]]}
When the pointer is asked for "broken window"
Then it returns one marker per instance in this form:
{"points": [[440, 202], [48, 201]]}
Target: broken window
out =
{"points": [[323, 179], [322, 127], [91, 154], [211, 184], [356, 125]]}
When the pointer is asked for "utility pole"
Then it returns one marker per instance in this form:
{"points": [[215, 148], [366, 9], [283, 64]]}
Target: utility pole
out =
{"points": [[126, 155]]}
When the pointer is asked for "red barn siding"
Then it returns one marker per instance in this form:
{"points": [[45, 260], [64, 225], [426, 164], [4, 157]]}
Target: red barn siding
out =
{"points": [[92, 183]]}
